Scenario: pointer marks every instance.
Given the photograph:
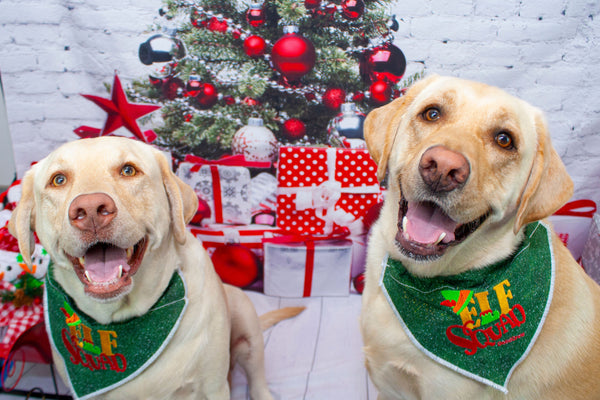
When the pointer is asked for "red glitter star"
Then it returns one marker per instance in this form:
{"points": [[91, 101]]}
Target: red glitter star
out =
{"points": [[121, 113]]}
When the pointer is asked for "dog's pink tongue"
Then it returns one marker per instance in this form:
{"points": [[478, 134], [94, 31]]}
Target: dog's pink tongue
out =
{"points": [[102, 262], [426, 222]]}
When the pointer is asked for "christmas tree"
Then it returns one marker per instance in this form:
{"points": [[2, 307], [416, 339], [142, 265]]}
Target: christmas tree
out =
{"points": [[291, 64]]}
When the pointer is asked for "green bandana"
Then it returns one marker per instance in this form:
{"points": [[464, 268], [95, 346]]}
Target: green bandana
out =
{"points": [[480, 323], [100, 357]]}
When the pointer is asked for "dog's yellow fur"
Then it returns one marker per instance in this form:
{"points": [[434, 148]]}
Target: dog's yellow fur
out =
{"points": [[156, 204], [515, 187]]}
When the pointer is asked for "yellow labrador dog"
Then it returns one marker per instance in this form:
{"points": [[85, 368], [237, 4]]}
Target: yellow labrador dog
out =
{"points": [[113, 217], [468, 294]]}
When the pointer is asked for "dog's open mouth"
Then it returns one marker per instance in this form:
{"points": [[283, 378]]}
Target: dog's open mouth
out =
{"points": [[106, 270], [425, 231]]}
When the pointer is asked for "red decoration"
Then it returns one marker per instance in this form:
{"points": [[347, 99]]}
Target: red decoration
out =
{"points": [[250, 101], [122, 113], [235, 264], [352, 9], [386, 62], [255, 15], [229, 100], [359, 283], [198, 18], [170, 88], [254, 46], [216, 25], [206, 96], [381, 92], [293, 129], [193, 86], [310, 96], [203, 212], [328, 11], [293, 55], [358, 96], [312, 4], [333, 98]]}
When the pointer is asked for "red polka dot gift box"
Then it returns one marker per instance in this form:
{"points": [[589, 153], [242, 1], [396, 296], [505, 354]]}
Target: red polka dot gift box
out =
{"points": [[321, 189]]}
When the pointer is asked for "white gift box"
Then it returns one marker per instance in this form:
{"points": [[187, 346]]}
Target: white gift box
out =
{"points": [[590, 259], [572, 224], [307, 268]]}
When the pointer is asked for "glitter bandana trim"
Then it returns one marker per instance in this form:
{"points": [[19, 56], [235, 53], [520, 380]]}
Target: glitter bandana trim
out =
{"points": [[480, 323], [101, 357]]}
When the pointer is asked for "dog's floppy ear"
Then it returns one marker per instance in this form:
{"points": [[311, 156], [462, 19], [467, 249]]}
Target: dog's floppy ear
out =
{"points": [[182, 199], [22, 220], [549, 185], [381, 125]]}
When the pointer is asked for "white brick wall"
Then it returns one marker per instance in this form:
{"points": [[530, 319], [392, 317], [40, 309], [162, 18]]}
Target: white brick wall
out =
{"points": [[545, 51]]}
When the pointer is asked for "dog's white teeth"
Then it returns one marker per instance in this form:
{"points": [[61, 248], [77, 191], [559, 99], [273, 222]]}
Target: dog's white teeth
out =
{"points": [[439, 240], [404, 223], [82, 261], [120, 274], [129, 253], [87, 276]]}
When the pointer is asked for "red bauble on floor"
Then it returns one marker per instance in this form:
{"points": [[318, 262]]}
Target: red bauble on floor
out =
{"points": [[235, 264]]}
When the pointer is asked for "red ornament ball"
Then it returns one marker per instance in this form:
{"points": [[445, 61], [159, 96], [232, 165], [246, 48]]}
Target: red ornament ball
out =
{"points": [[353, 9], [206, 96], [333, 98], [386, 62], [203, 212], [358, 97], [359, 283], [312, 4], [256, 15], [229, 100], [193, 85], [216, 25], [381, 92], [254, 46], [249, 101], [235, 264], [293, 56], [171, 88], [293, 129]]}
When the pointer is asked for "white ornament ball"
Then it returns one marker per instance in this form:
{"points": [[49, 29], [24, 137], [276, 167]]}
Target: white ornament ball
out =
{"points": [[255, 141]]}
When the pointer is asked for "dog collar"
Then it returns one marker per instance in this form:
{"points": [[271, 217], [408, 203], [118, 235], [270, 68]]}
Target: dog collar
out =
{"points": [[480, 323], [99, 357]]}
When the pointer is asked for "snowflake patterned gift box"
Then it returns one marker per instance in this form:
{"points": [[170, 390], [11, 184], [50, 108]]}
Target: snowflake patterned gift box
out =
{"points": [[321, 189], [224, 188]]}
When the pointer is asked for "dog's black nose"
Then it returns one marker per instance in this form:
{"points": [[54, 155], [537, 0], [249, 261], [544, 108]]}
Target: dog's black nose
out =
{"points": [[442, 169], [92, 212]]}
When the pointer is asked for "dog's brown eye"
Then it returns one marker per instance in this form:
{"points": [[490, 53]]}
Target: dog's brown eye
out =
{"points": [[504, 140], [128, 170], [59, 180], [432, 114]]}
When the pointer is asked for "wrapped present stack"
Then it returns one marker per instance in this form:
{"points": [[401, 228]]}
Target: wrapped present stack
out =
{"points": [[290, 223], [21, 285]]}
